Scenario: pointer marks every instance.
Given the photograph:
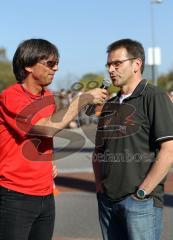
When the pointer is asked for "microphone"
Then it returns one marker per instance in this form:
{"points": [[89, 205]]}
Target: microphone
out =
{"points": [[91, 108]]}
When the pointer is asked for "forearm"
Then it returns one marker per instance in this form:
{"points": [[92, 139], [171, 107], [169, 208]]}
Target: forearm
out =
{"points": [[96, 161], [96, 167], [52, 125], [59, 120], [159, 169]]}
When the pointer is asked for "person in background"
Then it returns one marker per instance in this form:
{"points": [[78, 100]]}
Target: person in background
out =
{"points": [[170, 94], [133, 149], [28, 121]]}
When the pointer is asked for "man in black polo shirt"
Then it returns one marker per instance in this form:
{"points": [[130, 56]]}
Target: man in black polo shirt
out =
{"points": [[134, 149]]}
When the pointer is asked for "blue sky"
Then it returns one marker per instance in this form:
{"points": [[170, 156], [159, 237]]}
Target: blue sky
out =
{"points": [[82, 30]]}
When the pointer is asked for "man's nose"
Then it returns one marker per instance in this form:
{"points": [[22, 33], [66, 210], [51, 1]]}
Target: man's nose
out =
{"points": [[55, 67], [111, 68]]}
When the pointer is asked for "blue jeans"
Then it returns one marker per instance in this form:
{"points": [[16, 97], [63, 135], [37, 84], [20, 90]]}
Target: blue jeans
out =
{"points": [[129, 219], [26, 217]]}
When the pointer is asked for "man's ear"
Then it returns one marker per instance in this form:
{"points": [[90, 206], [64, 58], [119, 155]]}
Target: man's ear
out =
{"points": [[28, 69], [138, 64]]}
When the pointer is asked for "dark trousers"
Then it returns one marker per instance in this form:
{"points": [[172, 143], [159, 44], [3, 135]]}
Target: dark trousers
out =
{"points": [[26, 217]]}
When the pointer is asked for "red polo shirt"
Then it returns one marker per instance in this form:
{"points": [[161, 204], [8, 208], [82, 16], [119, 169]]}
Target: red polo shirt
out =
{"points": [[25, 160]]}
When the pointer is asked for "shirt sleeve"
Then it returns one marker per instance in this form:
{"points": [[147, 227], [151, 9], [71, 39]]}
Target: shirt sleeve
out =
{"points": [[19, 114], [160, 111]]}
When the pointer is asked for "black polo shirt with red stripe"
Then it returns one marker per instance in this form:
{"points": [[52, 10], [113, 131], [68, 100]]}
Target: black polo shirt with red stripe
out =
{"points": [[128, 140]]}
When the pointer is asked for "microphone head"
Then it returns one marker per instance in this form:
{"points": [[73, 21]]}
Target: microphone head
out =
{"points": [[106, 82], [91, 108]]}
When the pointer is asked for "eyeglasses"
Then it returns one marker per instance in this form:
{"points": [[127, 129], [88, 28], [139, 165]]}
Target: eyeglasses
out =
{"points": [[117, 63], [49, 63]]}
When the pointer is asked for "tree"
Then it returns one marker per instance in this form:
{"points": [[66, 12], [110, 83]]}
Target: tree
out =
{"points": [[165, 81], [6, 73], [91, 80]]}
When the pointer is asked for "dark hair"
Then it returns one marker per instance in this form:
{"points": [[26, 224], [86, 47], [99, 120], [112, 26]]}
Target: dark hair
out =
{"points": [[134, 49], [28, 53]]}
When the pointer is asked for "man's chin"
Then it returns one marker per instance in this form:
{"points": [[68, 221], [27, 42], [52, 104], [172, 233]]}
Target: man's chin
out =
{"points": [[116, 83], [47, 83]]}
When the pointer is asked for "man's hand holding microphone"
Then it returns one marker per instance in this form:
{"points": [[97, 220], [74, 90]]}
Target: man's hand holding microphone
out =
{"points": [[96, 96], [91, 109]]}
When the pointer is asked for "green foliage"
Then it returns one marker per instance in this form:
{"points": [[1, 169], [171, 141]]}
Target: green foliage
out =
{"points": [[166, 82], [91, 80], [112, 89], [6, 73]]}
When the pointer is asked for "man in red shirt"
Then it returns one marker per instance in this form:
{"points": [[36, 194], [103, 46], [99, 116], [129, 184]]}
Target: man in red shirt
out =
{"points": [[28, 122]]}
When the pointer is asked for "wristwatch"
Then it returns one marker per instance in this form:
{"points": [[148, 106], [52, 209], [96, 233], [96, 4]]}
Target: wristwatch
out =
{"points": [[141, 194]]}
